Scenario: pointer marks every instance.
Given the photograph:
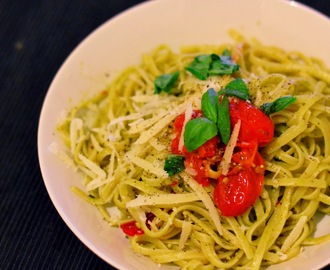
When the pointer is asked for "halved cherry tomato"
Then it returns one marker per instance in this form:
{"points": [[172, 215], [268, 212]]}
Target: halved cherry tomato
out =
{"points": [[255, 124], [178, 126], [196, 164], [130, 228], [245, 155], [239, 190], [196, 159]]}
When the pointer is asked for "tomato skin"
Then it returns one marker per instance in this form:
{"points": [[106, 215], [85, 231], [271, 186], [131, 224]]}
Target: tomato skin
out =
{"points": [[196, 159], [231, 194], [197, 165], [178, 126], [130, 228], [239, 190], [255, 124], [245, 156]]}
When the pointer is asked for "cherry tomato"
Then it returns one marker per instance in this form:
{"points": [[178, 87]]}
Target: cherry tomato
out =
{"points": [[178, 126], [196, 164], [208, 149], [239, 190], [245, 155], [255, 124], [131, 229], [196, 159]]}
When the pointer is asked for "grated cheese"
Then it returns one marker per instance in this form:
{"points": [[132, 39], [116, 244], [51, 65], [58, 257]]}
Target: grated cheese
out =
{"points": [[187, 117], [163, 199], [206, 199], [147, 123], [147, 166], [156, 144], [92, 166], [163, 122], [225, 162], [185, 233]]}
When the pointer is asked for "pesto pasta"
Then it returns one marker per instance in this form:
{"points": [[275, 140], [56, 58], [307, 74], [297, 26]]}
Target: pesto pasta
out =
{"points": [[119, 141]]}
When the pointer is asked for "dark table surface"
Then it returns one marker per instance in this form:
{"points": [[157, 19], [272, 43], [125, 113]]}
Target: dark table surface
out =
{"points": [[36, 36]]}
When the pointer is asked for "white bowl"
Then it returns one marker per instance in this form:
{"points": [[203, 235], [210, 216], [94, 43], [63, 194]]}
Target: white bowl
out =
{"points": [[119, 43]]}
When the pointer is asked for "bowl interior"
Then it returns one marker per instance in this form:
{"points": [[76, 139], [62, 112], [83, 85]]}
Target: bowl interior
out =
{"points": [[119, 43]]}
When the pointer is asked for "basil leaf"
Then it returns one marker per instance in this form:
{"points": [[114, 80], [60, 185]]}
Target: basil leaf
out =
{"points": [[174, 164], [236, 93], [236, 88], [212, 64], [277, 105], [200, 66], [224, 119], [223, 65], [197, 132], [165, 82], [227, 53], [205, 58], [210, 102]]}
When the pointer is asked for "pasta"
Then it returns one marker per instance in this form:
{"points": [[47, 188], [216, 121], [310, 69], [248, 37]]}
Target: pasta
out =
{"points": [[120, 139]]}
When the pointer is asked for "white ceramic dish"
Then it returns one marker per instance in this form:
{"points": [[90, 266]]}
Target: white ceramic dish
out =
{"points": [[120, 42]]}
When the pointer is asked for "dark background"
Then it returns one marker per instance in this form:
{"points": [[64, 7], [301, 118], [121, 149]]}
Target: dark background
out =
{"points": [[36, 36]]}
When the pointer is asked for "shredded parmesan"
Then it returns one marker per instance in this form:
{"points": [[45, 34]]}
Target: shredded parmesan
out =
{"points": [[206, 199], [163, 199], [187, 117], [147, 166], [225, 162], [121, 119], [185, 233], [171, 114], [156, 144], [92, 166], [147, 123]]}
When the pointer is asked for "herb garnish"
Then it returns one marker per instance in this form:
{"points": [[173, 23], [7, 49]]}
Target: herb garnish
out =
{"points": [[174, 164], [165, 82], [211, 64], [209, 105], [236, 88], [223, 122], [198, 131], [216, 121], [279, 104]]}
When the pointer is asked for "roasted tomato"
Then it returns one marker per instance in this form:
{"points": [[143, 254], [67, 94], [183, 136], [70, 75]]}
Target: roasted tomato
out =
{"points": [[195, 161], [131, 229], [237, 191], [255, 124]]}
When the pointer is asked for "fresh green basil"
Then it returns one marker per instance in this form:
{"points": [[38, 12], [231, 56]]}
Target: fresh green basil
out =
{"points": [[200, 66], [174, 164], [222, 65], [223, 122], [227, 53], [165, 82], [210, 102], [277, 105], [197, 132], [211, 64], [236, 88]]}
